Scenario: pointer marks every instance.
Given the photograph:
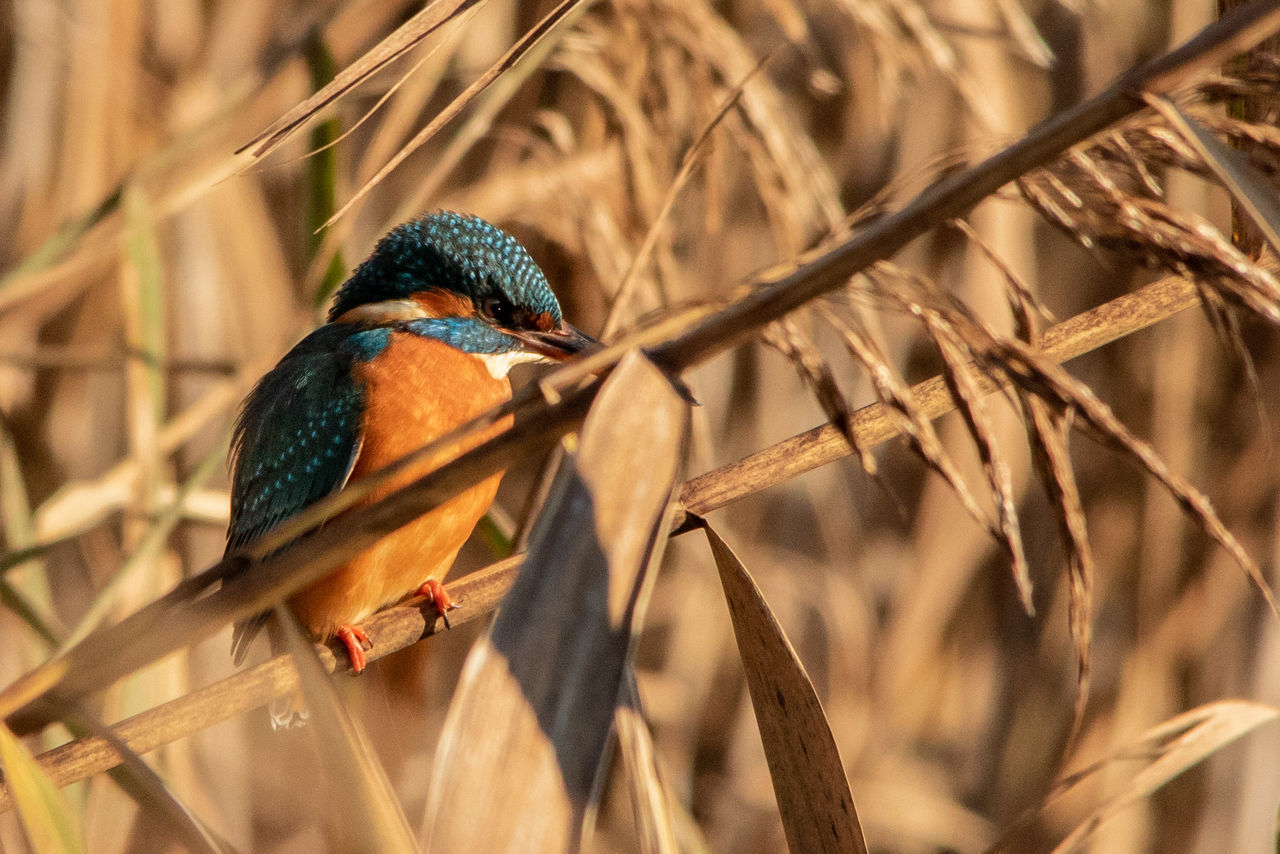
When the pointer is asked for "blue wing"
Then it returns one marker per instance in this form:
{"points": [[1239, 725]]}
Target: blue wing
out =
{"points": [[297, 438]]}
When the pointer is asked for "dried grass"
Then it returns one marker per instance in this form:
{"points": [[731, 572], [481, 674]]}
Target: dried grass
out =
{"points": [[655, 157]]}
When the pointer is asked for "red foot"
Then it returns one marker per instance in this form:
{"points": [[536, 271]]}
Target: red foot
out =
{"points": [[356, 642], [436, 595]]}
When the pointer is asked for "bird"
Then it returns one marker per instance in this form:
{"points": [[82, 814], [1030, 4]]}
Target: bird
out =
{"points": [[418, 341]]}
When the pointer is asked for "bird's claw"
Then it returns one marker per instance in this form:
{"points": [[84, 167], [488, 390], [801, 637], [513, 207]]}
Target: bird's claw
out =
{"points": [[356, 642], [436, 594]]}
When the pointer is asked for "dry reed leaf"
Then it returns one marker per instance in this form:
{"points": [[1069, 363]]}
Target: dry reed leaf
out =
{"points": [[915, 21], [649, 803], [485, 103], [914, 423], [873, 424], [1025, 303], [518, 765], [25, 592], [408, 92], [692, 157], [1262, 141], [150, 546], [1025, 36], [410, 33], [785, 337], [363, 812], [1041, 377], [405, 100], [389, 631], [1251, 78], [46, 816], [168, 722], [1037, 375], [1169, 748], [527, 42], [962, 379], [804, 762], [78, 506], [152, 794], [807, 198], [1083, 198], [1052, 456], [1251, 190]]}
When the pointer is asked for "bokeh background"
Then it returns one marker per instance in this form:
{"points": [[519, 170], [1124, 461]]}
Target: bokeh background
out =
{"points": [[151, 273]]}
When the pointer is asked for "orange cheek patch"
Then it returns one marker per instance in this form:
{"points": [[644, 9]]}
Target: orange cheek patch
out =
{"points": [[437, 303]]}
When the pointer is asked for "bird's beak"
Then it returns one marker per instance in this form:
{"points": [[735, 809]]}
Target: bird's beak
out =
{"points": [[559, 344]]}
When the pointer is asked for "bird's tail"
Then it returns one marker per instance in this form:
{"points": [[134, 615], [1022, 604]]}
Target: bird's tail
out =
{"points": [[243, 635], [289, 710]]}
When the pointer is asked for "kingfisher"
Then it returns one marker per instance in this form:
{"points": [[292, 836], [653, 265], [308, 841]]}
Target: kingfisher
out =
{"points": [[418, 341]]}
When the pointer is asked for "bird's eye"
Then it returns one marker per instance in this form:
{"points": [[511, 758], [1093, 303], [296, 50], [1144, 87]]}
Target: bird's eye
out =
{"points": [[498, 310]]}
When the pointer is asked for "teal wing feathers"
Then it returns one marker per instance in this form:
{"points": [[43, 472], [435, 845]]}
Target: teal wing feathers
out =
{"points": [[297, 438]]}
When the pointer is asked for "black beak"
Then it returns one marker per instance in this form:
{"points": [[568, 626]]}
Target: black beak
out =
{"points": [[561, 343]]}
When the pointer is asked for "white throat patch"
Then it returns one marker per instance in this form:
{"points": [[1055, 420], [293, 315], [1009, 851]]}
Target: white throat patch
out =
{"points": [[498, 364]]}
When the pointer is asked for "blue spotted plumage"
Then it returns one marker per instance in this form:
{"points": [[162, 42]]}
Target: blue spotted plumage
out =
{"points": [[419, 341], [466, 334], [298, 432]]}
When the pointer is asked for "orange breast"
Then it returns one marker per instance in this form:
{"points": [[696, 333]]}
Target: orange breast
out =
{"points": [[416, 390]]}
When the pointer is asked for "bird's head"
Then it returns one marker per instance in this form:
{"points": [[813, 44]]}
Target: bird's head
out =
{"points": [[463, 281]]}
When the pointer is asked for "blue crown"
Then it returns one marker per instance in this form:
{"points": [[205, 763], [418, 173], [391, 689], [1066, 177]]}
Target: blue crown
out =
{"points": [[453, 252]]}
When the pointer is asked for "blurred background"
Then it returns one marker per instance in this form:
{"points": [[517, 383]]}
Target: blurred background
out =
{"points": [[151, 274]]}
